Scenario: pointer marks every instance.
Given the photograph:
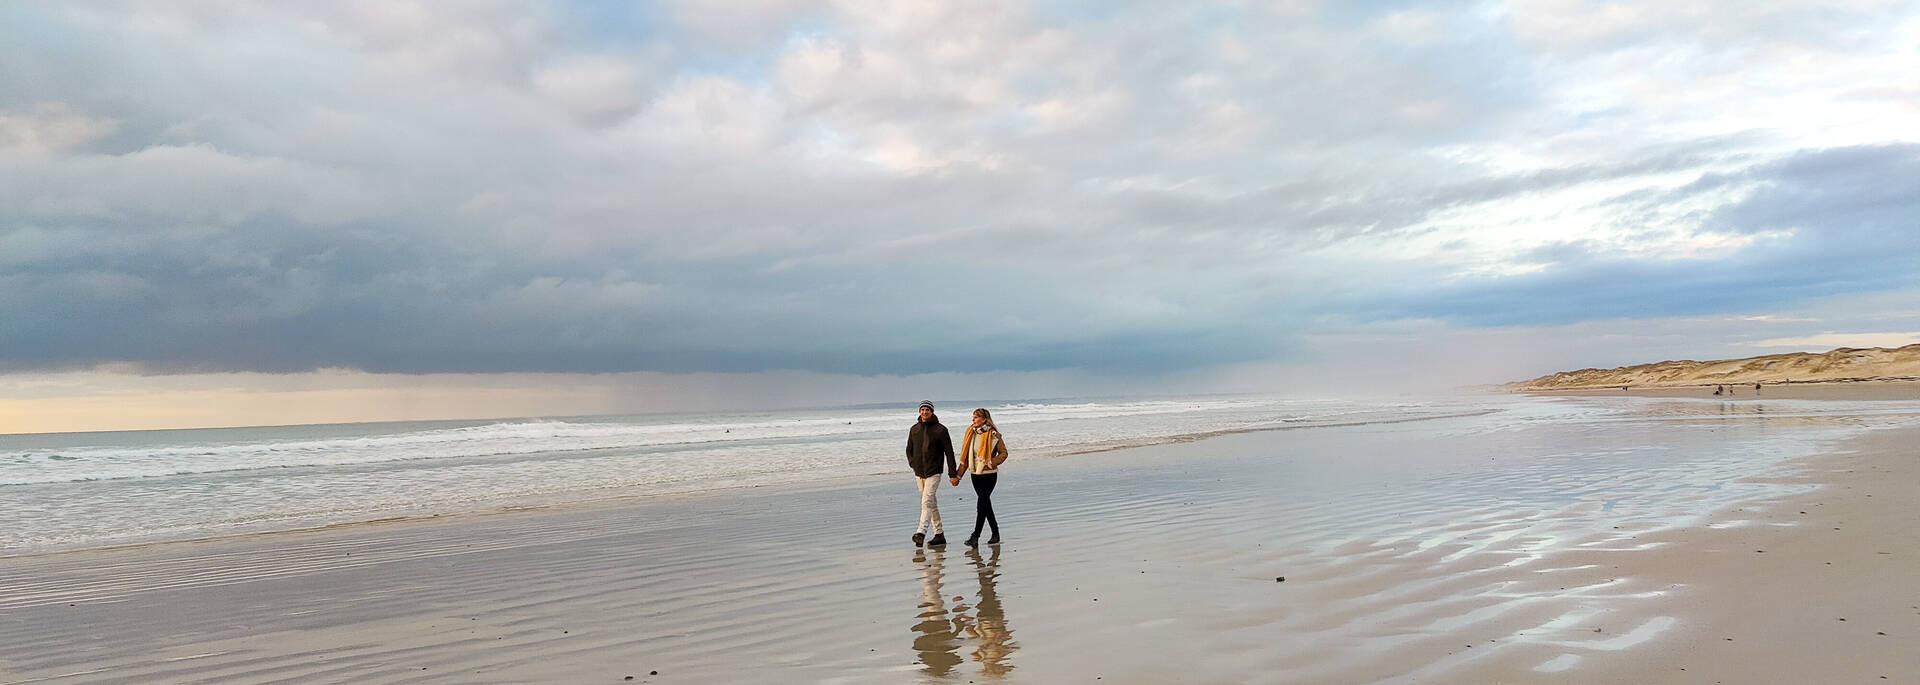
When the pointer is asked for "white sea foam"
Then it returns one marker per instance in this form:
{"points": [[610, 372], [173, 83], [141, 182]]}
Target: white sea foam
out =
{"points": [[531, 437]]}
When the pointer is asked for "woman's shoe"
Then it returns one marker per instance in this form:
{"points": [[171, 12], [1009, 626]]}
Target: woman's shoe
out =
{"points": [[995, 540], [973, 541]]}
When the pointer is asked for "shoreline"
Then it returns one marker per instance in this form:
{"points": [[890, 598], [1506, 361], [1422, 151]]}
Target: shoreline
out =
{"points": [[1187, 546], [525, 503]]}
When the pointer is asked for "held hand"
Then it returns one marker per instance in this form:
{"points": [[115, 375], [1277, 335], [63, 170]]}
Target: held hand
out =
{"points": [[955, 480]]}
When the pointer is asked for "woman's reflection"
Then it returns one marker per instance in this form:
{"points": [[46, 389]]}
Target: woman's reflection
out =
{"points": [[989, 625], [940, 629]]}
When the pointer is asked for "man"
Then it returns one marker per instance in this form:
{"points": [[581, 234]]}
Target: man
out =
{"points": [[927, 441]]}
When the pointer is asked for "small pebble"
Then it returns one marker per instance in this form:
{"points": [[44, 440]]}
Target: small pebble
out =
{"points": [[1279, 579]]}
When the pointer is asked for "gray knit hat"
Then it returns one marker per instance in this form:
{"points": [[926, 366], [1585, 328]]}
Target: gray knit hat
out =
{"points": [[926, 404]]}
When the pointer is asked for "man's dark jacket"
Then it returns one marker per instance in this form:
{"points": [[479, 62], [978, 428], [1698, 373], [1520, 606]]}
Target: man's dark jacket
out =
{"points": [[926, 442]]}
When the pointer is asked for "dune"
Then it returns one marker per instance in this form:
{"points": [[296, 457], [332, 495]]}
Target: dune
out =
{"points": [[1845, 364]]}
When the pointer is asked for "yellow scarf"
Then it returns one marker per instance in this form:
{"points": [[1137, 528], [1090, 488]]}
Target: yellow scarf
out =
{"points": [[981, 460]]}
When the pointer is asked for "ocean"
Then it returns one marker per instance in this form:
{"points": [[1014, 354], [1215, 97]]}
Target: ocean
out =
{"points": [[67, 491], [78, 490]]}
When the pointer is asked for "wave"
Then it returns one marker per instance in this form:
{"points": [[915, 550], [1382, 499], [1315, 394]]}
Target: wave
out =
{"points": [[532, 437]]}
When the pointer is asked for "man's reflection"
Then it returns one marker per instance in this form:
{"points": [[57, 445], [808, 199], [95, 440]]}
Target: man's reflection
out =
{"points": [[940, 629], [938, 647]]}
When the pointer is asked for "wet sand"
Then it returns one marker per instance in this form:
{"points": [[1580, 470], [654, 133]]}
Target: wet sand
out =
{"points": [[1464, 550], [1815, 588]]}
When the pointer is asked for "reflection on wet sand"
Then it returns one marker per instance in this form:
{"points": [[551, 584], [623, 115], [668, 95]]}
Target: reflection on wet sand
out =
{"points": [[936, 642], [989, 622], [939, 631]]}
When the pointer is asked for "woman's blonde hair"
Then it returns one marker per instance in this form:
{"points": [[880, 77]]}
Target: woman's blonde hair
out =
{"points": [[983, 413]]}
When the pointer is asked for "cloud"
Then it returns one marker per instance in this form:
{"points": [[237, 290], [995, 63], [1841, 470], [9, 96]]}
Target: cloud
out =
{"points": [[1829, 340], [1825, 222], [877, 188], [48, 128]]}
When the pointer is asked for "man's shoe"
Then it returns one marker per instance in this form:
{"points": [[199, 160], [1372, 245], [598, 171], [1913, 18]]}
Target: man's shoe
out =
{"points": [[939, 540], [919, 538], [973, 541]]}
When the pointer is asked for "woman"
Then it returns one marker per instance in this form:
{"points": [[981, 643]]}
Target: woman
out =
{"points": [[981, 453]]}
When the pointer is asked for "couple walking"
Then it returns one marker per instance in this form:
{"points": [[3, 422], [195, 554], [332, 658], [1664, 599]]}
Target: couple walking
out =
{"points": [[981, 453]]}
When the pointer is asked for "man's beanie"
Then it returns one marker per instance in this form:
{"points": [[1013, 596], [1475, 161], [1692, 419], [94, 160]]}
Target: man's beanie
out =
{"points": [[926, 404]]}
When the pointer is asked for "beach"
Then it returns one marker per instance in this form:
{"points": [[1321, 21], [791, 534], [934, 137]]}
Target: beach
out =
{"points": [[1836, 390], [1551, 540]]}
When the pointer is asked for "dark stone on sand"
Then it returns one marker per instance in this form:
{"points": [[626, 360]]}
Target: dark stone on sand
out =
{"points": [[1279, 579], [627, 678], [653, 673]]}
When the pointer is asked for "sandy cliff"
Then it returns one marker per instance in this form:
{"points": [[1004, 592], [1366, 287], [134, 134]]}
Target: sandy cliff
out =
{"points": [[1843, 364]]}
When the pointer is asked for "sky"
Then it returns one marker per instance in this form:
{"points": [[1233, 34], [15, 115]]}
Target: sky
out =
{"points": [[221, 213]]}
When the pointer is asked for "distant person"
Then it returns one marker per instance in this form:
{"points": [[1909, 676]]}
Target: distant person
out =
{"points": [[927, 442], [1719, 390], [981, 454], [1756, 388]]}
